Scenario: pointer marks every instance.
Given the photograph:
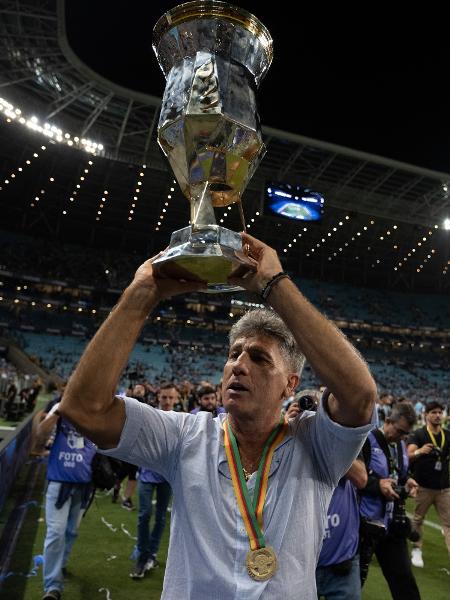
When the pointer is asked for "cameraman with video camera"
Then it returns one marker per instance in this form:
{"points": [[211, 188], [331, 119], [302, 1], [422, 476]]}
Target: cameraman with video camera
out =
{"points": [[429, 453], [384, 524]]}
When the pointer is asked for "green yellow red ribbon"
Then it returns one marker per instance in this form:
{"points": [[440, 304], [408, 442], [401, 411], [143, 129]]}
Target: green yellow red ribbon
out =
{"points": [[252, 508]]}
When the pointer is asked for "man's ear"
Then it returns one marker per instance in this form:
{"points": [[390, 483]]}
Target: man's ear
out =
{"points": [[292, 383]]}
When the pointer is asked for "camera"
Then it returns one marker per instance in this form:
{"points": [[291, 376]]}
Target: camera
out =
{"points": [[436, 452], [307, 399], [370, 533], [401, 491], [307, 403], [400, 526]]}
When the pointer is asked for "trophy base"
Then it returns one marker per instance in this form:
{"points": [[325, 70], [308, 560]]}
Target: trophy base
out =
{"points": [[206, 253]]}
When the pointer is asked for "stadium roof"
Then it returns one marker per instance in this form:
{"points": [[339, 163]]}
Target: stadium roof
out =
{"points": [[383, 217]]}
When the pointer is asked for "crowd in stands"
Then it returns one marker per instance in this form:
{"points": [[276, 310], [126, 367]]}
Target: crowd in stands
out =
{"points": [[411, 365], [175, 360], [100, 269], [378, 306]]}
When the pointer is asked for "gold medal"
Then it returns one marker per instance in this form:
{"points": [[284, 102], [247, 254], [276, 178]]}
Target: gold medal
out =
{"points": [[261, 560], [262, 563]]}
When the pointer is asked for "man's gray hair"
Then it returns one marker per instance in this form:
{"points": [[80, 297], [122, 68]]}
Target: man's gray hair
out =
{"points": [[262, 321], [405, 410]]}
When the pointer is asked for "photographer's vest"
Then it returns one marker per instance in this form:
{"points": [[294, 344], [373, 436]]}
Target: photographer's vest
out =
{"points": [[377, 507], [340, 542], [71, 456]]}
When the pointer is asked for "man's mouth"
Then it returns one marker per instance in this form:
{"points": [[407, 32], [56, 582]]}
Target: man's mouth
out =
{"points": [[237, 387]]}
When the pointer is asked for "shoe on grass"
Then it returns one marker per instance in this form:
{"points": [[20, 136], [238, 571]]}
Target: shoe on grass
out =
{"points": [[152, 563], [416, 558], [52, 595], [127, 504], [140, 570]]}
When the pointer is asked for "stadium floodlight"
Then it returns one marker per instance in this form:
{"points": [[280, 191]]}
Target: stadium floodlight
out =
{"points": [[12, 113], [447, 224]]}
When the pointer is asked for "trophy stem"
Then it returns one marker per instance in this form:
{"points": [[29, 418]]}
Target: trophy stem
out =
{"points": [[202, 211]]}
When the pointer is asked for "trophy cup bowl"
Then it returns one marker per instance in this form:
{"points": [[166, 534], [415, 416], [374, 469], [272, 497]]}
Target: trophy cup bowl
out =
{"points": [[213, 56]]}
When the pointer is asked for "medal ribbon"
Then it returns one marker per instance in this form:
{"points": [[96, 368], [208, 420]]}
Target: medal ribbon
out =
{"points": [[252, 508], [433, 439]]}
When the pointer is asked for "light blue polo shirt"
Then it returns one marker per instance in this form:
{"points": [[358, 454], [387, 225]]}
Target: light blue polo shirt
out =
{"points": [[208, 542]]}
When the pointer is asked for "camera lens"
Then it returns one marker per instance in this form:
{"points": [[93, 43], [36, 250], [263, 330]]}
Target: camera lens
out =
{"points": [[307, 403]]}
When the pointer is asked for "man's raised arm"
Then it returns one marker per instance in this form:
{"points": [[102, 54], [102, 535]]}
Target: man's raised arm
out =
{"points": [[338, 364], [89, 400]]}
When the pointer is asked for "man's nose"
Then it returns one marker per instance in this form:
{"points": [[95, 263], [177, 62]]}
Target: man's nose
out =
{"points": [[240, 365]]}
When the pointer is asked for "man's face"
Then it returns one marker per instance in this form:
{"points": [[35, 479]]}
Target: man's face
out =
{"points": [[434, 417], [138, 391], [208, 401], [394, 431], [167, 398], [256, 378], [186, 387]]}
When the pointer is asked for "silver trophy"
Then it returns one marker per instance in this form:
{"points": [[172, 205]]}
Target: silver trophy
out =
{"points": [[213, 56]]}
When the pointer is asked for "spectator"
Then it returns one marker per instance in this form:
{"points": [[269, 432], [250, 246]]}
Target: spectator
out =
{"points": [[126, 469], [150, 482], [207, 401]]}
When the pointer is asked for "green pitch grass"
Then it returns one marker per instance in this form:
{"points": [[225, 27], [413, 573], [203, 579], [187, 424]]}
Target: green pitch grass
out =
{"points": [[100, 560]]}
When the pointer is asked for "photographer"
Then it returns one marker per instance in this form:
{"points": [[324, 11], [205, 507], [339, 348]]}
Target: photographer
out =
{"points": [[429, 453], [303, 400], [384, 524], [69, 490]]}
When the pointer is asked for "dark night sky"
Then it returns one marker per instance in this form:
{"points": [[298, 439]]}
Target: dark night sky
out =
{"points": [[365, 78]]}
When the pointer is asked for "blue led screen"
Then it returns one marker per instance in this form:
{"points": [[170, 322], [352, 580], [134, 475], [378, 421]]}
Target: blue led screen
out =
{"points": [[293, 202]]}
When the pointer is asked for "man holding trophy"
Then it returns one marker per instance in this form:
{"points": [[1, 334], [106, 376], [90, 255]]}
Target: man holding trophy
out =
{"points": [[251, 489]]}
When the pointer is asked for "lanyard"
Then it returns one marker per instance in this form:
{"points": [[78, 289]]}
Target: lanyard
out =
{"points": [[252, 508], [433, 439]]}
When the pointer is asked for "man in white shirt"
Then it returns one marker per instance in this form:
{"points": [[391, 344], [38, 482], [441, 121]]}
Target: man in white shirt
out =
{"points": [[246, 548]]}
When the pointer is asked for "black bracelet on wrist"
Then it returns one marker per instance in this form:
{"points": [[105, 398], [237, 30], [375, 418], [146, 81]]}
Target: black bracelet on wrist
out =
{"points": [[269, 285]]}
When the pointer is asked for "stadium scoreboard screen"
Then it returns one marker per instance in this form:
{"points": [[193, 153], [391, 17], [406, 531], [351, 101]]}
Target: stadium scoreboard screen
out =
{"points": [[294, 202]]}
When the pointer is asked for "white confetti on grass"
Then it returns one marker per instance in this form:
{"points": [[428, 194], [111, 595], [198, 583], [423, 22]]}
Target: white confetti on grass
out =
{"points": [[428, 523], [109, 525], [126, 532], [446, 571], [112, 557], [108, 593]]}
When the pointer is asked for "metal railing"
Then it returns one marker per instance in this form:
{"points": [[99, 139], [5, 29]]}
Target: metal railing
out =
{"points": [[14, 451]]}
